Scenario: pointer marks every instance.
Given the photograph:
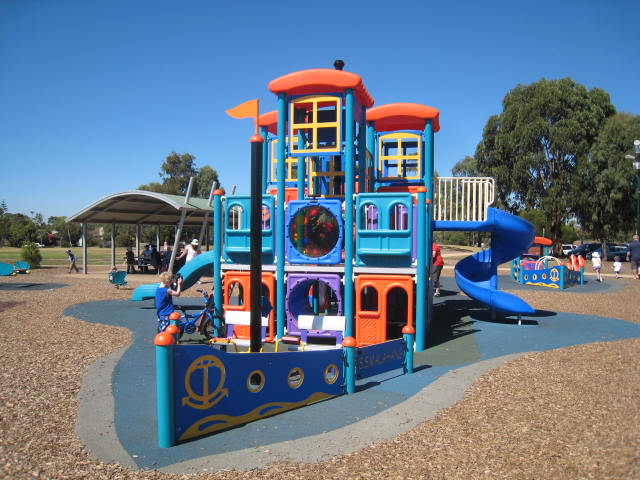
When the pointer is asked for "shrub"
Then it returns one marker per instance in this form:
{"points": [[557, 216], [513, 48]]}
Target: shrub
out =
{"points": [[31, 253]]}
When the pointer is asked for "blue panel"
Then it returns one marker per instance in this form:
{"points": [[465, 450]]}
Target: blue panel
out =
{"points": [[380, 358], [237, 241], [314, 232], [215, 390], [384, 232]]}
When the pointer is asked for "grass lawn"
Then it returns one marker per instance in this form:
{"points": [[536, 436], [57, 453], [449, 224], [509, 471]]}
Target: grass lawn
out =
{"points": [[57, 255]]}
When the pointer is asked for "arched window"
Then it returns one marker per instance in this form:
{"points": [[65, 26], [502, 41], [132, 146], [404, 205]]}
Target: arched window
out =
{"points": [[369, 299], [399, 217], [235, 293], [234, 221], [369, 217]]}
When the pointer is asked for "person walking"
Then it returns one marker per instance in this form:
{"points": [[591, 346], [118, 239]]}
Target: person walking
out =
{"points": [[597, 265], [72, 262], [617, 266], [633, 256]]}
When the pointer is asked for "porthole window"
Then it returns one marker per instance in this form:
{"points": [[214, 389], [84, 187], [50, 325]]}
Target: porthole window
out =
{"points": [[331, 374], [255, 381], [295, 377]]}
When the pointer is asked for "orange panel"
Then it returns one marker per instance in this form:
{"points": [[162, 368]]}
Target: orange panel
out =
{"points": [[290, 193], [244, 279], [371, 326]]}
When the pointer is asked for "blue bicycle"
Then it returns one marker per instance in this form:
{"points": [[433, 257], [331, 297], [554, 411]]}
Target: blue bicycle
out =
{"points": [[204, 321]]}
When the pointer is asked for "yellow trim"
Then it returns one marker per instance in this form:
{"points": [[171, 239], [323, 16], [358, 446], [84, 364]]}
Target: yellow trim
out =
{"points": [[399, 158], [311, 128], [331, 174], [291, 164]]}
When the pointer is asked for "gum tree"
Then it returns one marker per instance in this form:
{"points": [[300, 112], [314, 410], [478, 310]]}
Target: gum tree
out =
{"points": [[607, 184], [534, 147]]}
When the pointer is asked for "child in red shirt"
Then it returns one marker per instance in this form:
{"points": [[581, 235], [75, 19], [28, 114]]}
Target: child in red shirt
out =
{"points": [[437, 263]]}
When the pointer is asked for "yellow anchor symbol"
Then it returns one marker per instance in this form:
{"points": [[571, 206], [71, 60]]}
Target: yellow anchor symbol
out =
{"points": [[207, 399]]}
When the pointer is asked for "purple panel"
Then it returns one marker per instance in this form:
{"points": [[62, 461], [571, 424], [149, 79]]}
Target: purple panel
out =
{"points": [[297, 298], [414, 234]]}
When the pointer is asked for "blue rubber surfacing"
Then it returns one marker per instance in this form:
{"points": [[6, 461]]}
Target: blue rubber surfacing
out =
{"points": [[133, 380]]}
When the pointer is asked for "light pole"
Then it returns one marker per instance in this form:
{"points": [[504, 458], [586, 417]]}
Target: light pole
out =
{"points": [[636, 165]]}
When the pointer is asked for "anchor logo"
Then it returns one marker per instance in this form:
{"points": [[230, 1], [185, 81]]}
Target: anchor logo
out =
{"points": [[206, 398]]}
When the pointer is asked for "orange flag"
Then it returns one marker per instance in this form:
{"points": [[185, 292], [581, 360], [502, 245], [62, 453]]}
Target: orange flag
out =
{"points": [[248, 109]]}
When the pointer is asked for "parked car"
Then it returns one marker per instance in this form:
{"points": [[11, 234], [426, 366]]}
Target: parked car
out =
{"points": [[617, 250], [566, 248], [586, 249]]}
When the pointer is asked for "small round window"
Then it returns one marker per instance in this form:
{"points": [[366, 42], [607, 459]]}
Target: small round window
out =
{"points": [[314, 231], [295, 377], [255, 381], [331, 374]]}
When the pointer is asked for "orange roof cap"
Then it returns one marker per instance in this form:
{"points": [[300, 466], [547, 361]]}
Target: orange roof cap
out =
{"points": [[321, 80], [403, 116], [269, 120]]}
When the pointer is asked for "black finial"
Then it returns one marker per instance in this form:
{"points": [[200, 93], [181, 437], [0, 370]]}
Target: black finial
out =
{"points": [[338, 64]]}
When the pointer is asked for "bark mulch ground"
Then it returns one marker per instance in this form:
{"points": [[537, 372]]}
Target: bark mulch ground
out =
{"points": [[571, 413]]}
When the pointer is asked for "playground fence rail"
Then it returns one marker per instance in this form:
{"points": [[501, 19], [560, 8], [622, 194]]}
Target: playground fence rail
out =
{"points": [[463, 199]]}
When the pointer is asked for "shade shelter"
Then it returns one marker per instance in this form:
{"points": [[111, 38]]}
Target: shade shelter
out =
{"points": [[140, 207]]}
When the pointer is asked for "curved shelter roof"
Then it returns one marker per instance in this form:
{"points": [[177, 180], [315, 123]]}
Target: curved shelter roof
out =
{"points": [[143, 207], [403, 116], [321, 80]]}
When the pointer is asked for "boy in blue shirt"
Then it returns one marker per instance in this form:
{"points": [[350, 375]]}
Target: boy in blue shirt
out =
{"points": [[164, 299], [72, 262]]}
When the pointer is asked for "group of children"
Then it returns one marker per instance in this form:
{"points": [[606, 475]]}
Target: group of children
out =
{"points": [[597, 266]]}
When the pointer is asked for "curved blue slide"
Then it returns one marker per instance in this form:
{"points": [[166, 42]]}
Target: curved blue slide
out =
{"points": [[198, 266], [477, 275], [191, 272]]}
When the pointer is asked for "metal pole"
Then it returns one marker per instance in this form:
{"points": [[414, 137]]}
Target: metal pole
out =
{"points": [[256, 243], [638, 200], [280, 228]]}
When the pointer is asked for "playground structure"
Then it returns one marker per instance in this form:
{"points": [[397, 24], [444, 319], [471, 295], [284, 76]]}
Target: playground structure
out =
{"points": [[347, 207], [544, 270], [6, 269]]}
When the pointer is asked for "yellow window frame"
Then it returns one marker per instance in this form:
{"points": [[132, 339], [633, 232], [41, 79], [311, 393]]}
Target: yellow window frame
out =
{"points": [[399, 159], [331, 174], [313, 104], [291, 164]]}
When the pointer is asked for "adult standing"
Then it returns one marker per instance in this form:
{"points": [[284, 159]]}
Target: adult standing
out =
{"points": [[633, 256], [130, 260], [191, 251], [436, 267]]}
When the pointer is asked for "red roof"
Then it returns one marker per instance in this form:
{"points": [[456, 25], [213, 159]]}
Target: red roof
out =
{"points": [[403, 116], [321, 80], [269, 120]]}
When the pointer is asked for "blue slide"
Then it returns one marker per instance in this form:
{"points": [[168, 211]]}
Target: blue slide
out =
{"points": [[191, 272], [477, 275]]}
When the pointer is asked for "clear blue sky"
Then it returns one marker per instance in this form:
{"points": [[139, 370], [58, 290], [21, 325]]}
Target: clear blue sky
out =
{"points": [[95, 94]]}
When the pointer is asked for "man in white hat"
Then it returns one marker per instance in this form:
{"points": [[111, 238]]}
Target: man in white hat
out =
{"points": [[192, 250]]}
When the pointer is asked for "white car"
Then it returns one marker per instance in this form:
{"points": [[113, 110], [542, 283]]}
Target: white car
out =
{"points": [[566, 248]]}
